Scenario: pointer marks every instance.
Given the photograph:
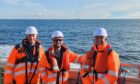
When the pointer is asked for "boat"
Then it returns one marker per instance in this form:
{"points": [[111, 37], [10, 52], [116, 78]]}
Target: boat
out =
{"points": [[75, 79]]}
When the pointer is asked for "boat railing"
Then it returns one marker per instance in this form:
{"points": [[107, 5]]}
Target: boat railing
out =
{"points": [[1, 73], [2, 65], [74, 73], [127, 67], [137, 66]]}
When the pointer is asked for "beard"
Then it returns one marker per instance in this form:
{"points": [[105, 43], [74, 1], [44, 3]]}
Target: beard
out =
{"points": [[57, 45]]}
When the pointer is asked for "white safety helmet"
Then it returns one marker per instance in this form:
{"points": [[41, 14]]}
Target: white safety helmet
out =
{"points": [[31, 30], [57, 34], [100, 32]]}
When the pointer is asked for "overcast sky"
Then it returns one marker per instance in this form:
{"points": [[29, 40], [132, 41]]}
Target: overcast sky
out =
{"points": [[69, 9]]}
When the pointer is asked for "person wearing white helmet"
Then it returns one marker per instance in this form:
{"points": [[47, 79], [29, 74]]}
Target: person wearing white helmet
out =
{"points": [[101, 63], [55, 63], [57, 39], [22, 64], [100, 36], [31, 33]]}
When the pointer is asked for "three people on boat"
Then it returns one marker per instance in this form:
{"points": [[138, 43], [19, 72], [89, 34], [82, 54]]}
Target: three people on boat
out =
{"points": [[99, 66], [22, 64]]}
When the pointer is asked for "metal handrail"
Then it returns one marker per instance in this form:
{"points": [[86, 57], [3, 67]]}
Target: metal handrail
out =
{"points": [[2, 73], [2, 65], [133, 65]]}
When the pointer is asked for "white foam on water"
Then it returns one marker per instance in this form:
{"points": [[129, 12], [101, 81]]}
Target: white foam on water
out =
{"points": [[4, 52]]}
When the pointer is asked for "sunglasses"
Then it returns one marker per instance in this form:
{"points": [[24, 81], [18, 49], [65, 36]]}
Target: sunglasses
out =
{"points": [[56, 40]]}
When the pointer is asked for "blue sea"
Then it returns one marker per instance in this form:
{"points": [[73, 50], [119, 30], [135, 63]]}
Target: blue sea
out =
{"points": [[124, 34]]}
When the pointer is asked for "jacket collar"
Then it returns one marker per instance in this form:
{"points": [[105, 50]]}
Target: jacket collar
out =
{"points": [[99, 47]]}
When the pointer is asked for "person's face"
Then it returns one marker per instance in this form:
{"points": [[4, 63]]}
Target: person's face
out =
{"points": [[57, 42], [32, 38], [100, 40]]}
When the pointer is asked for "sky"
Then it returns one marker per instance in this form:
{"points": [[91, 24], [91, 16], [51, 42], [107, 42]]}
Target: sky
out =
{"points": [[69, 9]]}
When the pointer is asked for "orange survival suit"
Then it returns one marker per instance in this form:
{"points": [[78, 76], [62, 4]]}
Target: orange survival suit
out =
{"points": [[54, 70], [21, 66], [100, 66]]}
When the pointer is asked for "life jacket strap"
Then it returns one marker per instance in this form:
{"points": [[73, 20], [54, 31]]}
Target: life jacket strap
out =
{"points": [[87, 73], [95, 74], [49, 60]]}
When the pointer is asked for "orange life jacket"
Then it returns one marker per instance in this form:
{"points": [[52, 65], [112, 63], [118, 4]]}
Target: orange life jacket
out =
{"points": [[100, 66], [65, 63], [32, 58], [58, 68], [91, 62]]}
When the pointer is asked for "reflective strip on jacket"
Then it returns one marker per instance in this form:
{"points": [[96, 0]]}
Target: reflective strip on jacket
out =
{"points": [[16, 71], [113, 64]]}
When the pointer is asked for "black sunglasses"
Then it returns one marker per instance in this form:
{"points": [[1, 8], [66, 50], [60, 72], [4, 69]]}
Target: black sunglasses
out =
{"points": [[56, 40]]}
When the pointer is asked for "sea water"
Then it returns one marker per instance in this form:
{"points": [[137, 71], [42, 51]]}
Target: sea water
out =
{"points": [[124, 34]]}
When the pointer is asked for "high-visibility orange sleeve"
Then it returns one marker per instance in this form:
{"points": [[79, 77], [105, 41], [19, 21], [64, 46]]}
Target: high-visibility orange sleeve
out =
{"points": [[75, 57], [42, 67], [8, 77]]}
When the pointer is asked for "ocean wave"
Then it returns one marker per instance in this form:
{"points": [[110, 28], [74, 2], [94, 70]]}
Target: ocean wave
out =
{"points": [[5, 50]]}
